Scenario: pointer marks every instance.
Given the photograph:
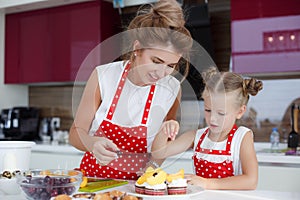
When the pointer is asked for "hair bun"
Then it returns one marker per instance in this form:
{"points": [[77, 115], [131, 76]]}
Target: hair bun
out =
{"points": [[209, 73], [252, 86], [169, 12]]}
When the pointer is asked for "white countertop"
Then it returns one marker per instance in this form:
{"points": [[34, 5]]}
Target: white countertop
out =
{"points": [[64, 148], [203, 195], [262, 156], [265, 157]]}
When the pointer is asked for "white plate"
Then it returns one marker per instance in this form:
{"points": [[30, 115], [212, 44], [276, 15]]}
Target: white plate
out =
{"points": [[191, 191], [129, 189]]}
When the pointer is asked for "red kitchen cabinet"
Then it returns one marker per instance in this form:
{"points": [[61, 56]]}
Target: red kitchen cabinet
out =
{"points": [[26, 58], [34, 51], [75, 32], [12, 30], [49, 45]]}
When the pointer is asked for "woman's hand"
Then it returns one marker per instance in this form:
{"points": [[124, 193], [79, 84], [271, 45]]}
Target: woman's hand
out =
{"points": [[170, 128], [105, 150]]}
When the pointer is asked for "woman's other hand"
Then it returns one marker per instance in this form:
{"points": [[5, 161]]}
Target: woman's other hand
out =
{"points": [[170, 128], [105, 150]]}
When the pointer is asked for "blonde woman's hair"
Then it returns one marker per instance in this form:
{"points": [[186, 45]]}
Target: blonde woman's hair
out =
{"points": [[162, 24], [225, 82]]}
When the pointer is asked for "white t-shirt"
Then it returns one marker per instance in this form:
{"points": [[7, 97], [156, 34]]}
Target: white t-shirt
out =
{"points": [[130, 108], [235, 148]]}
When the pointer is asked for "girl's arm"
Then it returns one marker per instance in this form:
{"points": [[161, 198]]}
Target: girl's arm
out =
{"points": [[163, 147], [172, 115], [246, 181]]}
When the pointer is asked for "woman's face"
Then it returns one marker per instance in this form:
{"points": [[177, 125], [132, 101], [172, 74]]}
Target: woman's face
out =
{"points": [[221, 112], [150, 65]]}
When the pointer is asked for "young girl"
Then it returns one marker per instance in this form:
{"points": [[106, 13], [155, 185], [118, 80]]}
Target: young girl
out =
{"points": [[224, 155]]}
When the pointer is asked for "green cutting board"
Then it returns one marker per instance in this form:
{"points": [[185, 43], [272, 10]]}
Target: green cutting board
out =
{"points": [[102, 185]]}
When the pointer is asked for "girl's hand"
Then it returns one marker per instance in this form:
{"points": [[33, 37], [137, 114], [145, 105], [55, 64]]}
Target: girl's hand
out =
{"points": [[170, 128], [104, 151], [196, 180]]}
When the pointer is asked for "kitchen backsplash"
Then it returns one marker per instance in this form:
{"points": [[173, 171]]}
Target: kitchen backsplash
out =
{"points": [[270, 108], [56, 101]]}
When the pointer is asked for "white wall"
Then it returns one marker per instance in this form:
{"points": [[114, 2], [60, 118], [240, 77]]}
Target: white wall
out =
{"points": [[10, 95]]}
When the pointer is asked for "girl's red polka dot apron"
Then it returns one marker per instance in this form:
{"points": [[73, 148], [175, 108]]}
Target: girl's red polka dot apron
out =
{"points": [[130, 140], [209, 169]]}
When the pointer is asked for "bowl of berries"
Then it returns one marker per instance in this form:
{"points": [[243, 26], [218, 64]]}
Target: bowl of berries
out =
{"points": [[45, 184]]}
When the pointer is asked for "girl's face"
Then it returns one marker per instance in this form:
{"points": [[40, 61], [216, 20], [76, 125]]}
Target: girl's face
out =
{"points": [[221, 112], [150, 65]]}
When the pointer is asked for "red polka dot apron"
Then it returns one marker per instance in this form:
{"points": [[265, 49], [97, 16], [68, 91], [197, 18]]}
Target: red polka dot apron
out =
{"points": [[208, 169], [132, 141]]}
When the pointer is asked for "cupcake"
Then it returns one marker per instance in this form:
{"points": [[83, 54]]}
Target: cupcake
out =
{"points": [[155, 184], [140, 184], [140, 188], [176, 184]]}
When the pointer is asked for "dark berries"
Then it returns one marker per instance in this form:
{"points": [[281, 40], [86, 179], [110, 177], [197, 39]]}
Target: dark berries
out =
{"points": [[43, 188]]}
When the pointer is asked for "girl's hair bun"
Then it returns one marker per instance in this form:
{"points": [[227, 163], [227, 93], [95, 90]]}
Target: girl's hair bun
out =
{"points": [[209, 73], [252, 86]]}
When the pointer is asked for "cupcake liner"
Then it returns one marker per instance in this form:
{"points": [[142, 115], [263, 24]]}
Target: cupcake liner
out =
{"points": [[177, 190], [140, 190], [155, 192]]}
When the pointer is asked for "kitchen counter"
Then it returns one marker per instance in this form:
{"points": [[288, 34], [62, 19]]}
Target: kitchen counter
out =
{"points": [[263, 157], [62, 148], [274, 168], [203, 194]]}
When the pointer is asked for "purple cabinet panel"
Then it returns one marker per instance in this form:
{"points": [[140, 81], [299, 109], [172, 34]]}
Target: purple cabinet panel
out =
{"points": [[266, 45]]}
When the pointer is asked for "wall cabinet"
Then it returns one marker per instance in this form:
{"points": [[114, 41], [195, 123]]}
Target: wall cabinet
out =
{"points": [[49, 45], [265, 37]]}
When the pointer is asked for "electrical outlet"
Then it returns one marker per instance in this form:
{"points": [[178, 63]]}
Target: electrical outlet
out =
{"points": [[55, 123]]}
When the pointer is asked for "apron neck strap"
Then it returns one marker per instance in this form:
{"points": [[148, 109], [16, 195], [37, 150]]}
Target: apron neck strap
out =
{"points": [[230, 136], [118, 92], [148, 104]]}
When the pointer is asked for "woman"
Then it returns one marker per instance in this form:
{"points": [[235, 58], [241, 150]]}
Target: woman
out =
{"points": [[124, 103]]}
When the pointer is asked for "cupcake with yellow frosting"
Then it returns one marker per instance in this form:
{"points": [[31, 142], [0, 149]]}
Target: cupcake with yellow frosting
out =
{"points": [[176, 183], [156, 183], [141, 183], [152, 182]]}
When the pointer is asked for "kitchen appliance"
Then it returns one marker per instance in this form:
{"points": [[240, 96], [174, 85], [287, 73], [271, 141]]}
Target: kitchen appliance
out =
{"points": [[48, 126], [20, 123], [293, 139]]}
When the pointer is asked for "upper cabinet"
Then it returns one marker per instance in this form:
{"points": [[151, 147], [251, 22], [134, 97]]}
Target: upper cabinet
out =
{"points": [[49, 45], [265, 37]]}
